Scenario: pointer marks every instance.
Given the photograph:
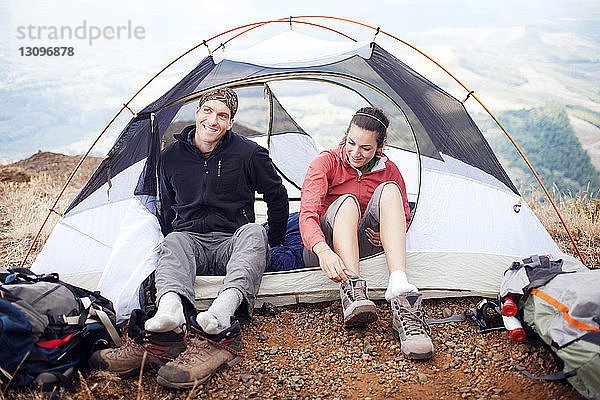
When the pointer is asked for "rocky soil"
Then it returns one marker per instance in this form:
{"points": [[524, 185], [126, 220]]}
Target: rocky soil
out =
{"points": [[304, 352]]}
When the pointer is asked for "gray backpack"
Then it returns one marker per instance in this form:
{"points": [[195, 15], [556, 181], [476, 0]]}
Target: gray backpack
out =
{"points": [[49, 328], [560, 302]]}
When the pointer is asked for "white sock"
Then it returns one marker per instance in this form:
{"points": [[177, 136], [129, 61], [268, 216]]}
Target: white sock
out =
{"points": [[169, 315], [218, 316], [398, 284]]}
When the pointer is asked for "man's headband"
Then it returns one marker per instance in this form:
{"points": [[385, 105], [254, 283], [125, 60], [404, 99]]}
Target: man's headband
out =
{"points": [[225, 95], [372, 116]]}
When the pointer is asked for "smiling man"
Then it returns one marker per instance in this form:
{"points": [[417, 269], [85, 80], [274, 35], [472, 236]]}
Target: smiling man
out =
{"points": [[208, 180]]}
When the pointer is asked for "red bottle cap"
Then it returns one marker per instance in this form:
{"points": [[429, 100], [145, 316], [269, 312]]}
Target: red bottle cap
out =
{"points": [[518, 335], [509, 309]]}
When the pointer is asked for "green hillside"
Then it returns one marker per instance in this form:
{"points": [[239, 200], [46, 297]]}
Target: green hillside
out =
{"points": [[547, 139]]}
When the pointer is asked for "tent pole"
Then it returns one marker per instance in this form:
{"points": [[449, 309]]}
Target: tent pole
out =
{"points": [[482, 105], [535, 174], [126, 105], [254, 25]]}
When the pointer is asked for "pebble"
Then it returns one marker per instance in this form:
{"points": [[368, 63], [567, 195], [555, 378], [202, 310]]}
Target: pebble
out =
{"points": [[446, 312], [369, 349], [245, 377], [273, 350]]}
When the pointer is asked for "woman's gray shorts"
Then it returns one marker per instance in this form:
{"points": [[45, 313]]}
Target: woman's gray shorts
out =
{"points": [[370, 219]]}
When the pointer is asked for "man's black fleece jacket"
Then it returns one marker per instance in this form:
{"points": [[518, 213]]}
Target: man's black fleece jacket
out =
{"points": [[216, 194]]}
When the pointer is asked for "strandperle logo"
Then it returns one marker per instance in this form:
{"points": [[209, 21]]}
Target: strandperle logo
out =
{"points": [[84, 31]]}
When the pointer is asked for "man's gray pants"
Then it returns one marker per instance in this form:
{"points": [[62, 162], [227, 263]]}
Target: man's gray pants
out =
{"points": [[241, 257]]}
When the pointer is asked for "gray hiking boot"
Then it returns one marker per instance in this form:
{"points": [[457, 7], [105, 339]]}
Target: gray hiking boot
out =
{"points": [[127, 359], [203, 357], [358, 309], [408, 323]]}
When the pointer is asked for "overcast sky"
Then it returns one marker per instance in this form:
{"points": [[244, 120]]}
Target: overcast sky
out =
{"points": [[61, 103]]}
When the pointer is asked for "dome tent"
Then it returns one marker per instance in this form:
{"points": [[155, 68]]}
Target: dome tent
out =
{"points": [[466, 227]]}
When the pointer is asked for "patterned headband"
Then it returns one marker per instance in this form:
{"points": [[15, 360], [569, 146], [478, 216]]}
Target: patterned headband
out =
{"points": [[372, 116], [225, 95]]}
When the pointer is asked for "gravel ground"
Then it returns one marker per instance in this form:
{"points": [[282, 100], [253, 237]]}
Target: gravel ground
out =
{"points": [[304, 352]]}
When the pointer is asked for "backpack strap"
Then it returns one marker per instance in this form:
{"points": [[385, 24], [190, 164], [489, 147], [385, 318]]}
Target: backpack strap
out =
{"points": [[552, 377], [101, 314], [107, 324], [90, 311]]}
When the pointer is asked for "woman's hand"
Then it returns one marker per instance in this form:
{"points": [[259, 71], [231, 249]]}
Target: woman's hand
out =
{"points": [[331, 264], [373, 237]]}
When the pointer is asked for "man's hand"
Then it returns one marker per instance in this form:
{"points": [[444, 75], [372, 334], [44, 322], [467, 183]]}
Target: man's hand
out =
{"points": [[331, 264], [373, 237]]}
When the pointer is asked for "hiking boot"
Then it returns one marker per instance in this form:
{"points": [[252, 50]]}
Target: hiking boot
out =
{"points": [[127, 359], [204, 355], [408, 323], [357, 308]]}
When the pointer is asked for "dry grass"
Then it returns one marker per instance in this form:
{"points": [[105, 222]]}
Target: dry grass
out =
{"points": [[23, 208], [581, 213]]}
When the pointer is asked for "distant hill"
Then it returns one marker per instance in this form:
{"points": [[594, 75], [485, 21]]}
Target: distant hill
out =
{"points": [[548, 140], [59, 166]]}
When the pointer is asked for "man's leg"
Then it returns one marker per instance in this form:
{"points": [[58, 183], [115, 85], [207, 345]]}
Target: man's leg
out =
{"points": [[243, 259], [159, 336], [181, 254]]}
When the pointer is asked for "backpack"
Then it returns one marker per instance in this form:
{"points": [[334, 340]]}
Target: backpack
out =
{"points": [[560, 304], [49, 328]]}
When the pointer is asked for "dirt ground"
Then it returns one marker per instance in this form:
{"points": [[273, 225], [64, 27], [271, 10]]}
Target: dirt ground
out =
{"points": [[304, 352]]}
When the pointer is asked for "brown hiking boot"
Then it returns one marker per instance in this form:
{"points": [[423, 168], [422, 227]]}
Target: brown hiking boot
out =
{"points": [[357, 308], [408, 323], [127, 359], [203, 357]]}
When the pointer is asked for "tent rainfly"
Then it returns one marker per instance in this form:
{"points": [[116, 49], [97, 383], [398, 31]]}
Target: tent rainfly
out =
{"points": [[469, 222]]}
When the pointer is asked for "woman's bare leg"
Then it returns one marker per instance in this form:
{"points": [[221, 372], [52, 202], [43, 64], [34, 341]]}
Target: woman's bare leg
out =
{"points": [[345, 237], [392, 225]]}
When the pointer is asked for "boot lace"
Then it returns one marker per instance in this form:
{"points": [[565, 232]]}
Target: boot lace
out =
{"points": [[195, 348], [413, 322], [129, 346], [352, 289]]}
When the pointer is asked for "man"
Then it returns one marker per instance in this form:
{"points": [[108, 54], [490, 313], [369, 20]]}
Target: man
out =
{"points": [[208, 180]]}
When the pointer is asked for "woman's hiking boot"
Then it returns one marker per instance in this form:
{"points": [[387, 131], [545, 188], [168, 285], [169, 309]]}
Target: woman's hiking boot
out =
{"points": [[160, 348], [203, 357], [357, 308], [408, 323]]}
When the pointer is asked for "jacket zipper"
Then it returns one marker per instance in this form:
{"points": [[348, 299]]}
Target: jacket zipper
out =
{"points": [[219, 169], [204, 180], [245, 216]]}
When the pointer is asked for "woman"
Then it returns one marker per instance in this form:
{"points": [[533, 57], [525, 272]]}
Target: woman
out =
{"points": [[354, 189]]}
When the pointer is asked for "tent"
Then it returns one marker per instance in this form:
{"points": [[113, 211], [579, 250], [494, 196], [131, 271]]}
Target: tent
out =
{"points": [[469, 221]]}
